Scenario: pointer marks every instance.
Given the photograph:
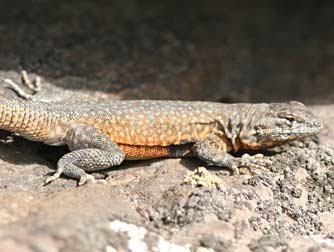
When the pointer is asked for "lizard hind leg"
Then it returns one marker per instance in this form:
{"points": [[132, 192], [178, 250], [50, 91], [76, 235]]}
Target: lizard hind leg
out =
{"points": [[91, 150], [213, 150], [33, 87]]}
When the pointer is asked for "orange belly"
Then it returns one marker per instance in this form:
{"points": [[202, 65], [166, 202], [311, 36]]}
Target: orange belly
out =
{"points": [[148, 152]]}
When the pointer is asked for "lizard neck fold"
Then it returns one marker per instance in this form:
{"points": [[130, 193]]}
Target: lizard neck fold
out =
{"points": [[244, 120], [20, 117], [232, 125]]}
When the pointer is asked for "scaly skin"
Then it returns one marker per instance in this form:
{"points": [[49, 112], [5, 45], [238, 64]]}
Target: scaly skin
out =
{"points": [[101, 135]]}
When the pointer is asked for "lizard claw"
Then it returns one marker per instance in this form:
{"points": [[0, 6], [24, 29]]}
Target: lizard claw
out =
{"points": [[84, 179], [51, 178], [88, 178], [256, 162], [235, 170]]}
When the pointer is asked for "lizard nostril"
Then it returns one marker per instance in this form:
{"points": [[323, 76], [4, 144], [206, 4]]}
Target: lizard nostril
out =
{"points": [[317, 123]]}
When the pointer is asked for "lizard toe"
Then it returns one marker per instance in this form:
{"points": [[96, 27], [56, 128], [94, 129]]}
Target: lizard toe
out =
{"points": [[257, 162], [51, 179], [88, 178], [235, 170]]}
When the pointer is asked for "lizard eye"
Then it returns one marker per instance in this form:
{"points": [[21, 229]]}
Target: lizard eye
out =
{"points": [[291, 120]]}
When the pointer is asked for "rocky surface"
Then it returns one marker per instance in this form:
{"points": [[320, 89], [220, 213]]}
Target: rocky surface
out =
{"points": [[287, 207], [211, 50]]}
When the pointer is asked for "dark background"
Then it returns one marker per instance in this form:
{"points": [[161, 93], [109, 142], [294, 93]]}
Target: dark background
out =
{"points": [[213, 50]]}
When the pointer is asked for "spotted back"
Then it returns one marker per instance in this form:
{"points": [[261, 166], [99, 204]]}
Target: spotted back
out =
{"points": [[153, 123]]}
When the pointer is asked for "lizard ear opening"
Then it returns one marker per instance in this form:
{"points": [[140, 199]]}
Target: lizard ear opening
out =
{"points": [[296, 103]]}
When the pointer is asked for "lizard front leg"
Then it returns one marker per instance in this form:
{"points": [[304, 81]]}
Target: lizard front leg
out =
{"points": [[213, 150], [91, 150]]}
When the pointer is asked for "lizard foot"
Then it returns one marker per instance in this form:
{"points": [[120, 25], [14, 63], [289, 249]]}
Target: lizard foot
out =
{"points": [[88, 178], [84, 179], [254, 163], [34, 87]]}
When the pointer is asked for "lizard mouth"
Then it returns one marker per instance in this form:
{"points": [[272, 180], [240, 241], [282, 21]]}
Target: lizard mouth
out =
{"points": [[292, 133]]}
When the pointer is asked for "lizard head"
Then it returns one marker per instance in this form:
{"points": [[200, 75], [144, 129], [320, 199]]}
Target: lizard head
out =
{"points": [[277, 123]]}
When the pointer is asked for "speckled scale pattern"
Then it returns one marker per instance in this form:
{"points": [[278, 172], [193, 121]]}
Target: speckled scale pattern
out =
{"points": [[143, 129], [148, 123], [90, 150]]}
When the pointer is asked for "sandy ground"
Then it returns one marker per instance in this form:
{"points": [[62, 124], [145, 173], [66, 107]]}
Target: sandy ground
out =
{"points": [[210, 50]]}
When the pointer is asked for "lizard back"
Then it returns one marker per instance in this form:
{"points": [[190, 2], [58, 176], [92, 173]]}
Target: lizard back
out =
{"points": [[149, 123]]}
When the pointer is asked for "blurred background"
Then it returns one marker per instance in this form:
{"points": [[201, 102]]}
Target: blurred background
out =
{"points": [[219, 50]]}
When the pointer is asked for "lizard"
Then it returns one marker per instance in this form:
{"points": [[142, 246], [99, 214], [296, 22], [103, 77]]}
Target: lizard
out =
{"points": [[101, 135]]}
